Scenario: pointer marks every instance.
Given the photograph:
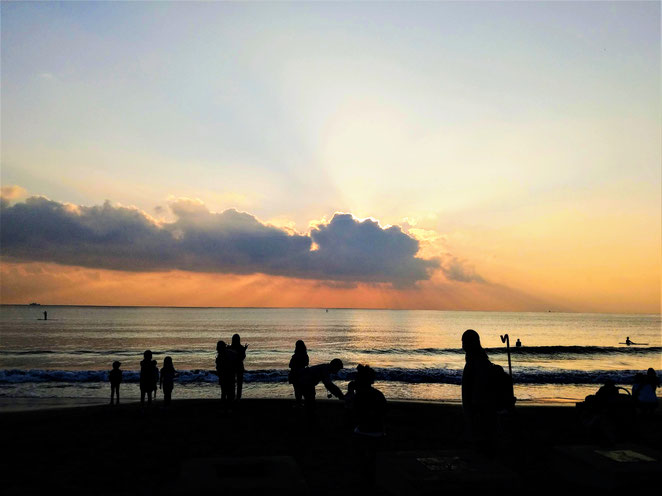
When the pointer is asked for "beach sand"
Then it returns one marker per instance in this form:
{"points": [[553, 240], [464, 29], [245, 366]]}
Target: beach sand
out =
{"points": [[267, 447]]}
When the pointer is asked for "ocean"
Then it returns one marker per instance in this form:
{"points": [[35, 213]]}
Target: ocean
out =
{"points": [[417, 354]]}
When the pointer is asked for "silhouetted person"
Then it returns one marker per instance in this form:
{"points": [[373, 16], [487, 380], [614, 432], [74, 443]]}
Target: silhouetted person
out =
{"points": [[369, 408], [45, 315], [643, 391], [240, 351], [155, 371], [518, 343], [115, 377], [298, 363], [652, 378], [627, 341], [167, 380], [478, 395], [312, 376], [226, 370], [146, 378]]}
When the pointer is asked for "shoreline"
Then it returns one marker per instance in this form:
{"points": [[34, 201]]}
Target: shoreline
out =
{"points": [[18, 405]]}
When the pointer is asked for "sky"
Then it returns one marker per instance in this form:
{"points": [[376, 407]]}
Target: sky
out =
{"points": [[437, 155]]}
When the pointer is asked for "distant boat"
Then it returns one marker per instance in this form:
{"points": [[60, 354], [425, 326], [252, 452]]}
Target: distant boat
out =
{"points": [[34, 304]]}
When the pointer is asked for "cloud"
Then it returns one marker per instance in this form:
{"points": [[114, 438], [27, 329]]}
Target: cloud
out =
{"points": [[198, 240], [457, 270], [12, 192]]}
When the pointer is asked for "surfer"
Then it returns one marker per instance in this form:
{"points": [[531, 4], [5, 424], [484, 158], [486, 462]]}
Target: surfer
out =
{"points": [[627, 341]]}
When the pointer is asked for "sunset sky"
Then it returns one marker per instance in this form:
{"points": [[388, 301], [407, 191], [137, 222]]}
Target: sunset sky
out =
{"points": [[483, 156]]}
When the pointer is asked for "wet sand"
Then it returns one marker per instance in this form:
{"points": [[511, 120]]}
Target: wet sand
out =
{"points": [[125, 450]]}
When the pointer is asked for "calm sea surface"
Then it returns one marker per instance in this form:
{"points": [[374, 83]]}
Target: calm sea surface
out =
{"points": [[417, 354]]}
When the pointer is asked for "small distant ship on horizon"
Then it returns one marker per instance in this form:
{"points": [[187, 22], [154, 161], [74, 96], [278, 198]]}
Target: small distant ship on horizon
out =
{"points": [[34, 304]]}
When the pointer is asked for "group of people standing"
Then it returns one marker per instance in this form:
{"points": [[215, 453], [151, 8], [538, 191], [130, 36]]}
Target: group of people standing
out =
{"points": [[230, 368], [150, 379]]}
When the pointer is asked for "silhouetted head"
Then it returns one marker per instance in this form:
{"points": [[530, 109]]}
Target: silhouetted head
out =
{"points": [[651, 372], [300, 347], [220, 346], [336, 365], [471, 341], [365, 376], [236, 340], [147, 355], [167, 363], [116, 365]]}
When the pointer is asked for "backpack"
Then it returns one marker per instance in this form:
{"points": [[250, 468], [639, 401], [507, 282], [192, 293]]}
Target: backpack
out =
{"points": [[504, 396]]}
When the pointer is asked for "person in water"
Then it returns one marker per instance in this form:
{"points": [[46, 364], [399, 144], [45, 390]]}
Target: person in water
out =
{"points": [[146, 378], [167, 380], [115, 377], [627, 341], [312, 376], [518, 343], [298, 363], [240, 351], [478, 395]]}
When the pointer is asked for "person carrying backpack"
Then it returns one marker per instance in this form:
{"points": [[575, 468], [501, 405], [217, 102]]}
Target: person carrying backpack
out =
{"points": [[486, 390]]}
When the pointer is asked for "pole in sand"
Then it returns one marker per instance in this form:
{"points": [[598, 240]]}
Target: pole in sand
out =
{"points": [[506, 339]]}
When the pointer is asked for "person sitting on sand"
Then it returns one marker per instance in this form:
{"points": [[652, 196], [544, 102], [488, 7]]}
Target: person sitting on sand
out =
{"points": [[312, 376], [155, 371], [240, 351], [298, 363], [115, 377], [225, 368], [146, 378], [478, 395], [167, 380]]}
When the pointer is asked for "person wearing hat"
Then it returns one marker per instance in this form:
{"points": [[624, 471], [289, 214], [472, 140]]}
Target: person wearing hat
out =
{"points": [[115, 377], [312, 376]]}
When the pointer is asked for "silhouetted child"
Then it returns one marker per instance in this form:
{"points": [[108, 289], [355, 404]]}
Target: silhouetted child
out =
{"points": [[146, 378], [240, 351], [369, 406], [167, 380], [115, 377], [155, 371], [298, 363]]}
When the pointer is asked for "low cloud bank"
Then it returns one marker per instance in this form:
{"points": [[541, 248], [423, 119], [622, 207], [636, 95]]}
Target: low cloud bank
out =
{"points": [[121, 238]]}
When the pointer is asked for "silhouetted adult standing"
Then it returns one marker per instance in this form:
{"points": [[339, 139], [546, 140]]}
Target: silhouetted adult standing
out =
{"points": [[225, 368], [478, 394], [146, 378], [312, 376], [240, 351], [298, 363]]}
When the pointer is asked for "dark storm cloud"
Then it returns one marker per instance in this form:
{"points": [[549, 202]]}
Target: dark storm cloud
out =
{"points": [[120, 238]]}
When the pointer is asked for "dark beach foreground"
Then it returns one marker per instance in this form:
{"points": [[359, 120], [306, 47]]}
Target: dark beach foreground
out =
{"points": [[268, 447]]}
